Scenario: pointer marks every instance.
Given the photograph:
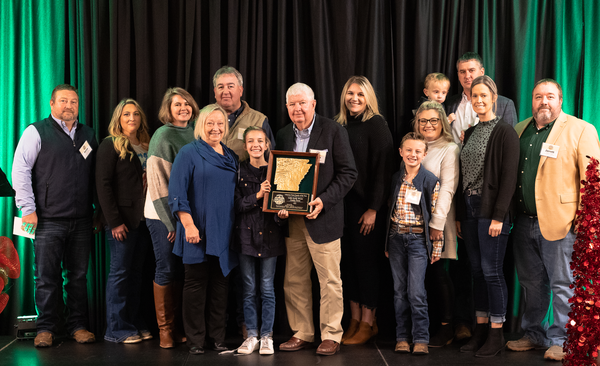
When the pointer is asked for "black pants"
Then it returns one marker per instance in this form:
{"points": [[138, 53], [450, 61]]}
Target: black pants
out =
{"points": [[360, 270], [460, 272], [204, 302], [440, 284]]}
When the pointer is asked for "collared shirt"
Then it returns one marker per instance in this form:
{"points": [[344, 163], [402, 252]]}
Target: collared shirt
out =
{"points": [[465, 118], [302, 137], [529, 159], [266, 126], [405, 216], [26, 155]]}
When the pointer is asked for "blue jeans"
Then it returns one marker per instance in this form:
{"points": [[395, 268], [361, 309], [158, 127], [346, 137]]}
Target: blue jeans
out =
{"points": [[486, 254], [408, 260], [168, 266], [62, 248], [123, 287], [267, 293], [543, 268]]}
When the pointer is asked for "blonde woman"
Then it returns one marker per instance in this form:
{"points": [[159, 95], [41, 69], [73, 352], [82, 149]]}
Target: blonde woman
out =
{"points": [[201, 197], [365, 215], [120, 183]]}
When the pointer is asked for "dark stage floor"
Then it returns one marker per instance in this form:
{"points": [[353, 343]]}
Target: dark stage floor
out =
{"points": [[148, 353]]}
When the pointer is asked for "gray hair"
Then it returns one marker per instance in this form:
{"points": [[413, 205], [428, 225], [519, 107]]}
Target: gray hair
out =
{"points": [[298, 89], [228, 70]]}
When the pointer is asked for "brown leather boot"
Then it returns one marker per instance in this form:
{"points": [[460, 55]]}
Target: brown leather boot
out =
{"points": [[364, 333], [178, 332], [163, 303], [352, 328]]}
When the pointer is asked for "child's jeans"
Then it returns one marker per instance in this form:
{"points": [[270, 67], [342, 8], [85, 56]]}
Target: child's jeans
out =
{"points": [[408, 259]]}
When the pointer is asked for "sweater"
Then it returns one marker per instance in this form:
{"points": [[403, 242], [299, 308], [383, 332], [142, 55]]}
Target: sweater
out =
{"points": [[373, 151], [164, 146], [442, 161], [499, 174]]}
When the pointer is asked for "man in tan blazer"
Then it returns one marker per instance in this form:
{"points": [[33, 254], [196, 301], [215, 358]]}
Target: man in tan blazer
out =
{"points": [[552, 164]]}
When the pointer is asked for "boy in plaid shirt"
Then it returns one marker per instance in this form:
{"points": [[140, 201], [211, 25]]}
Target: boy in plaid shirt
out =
{"points": [[408, 246]]}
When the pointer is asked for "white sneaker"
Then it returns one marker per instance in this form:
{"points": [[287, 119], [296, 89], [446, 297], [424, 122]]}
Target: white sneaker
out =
{"points": [[250, 345], [266, 346]]}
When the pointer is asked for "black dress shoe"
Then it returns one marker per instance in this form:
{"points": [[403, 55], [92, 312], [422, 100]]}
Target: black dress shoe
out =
{"points": [[196, 351], [220, 346]]}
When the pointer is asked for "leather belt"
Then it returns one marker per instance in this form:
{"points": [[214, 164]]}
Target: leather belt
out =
{"points": [[407, 229], [473, 192]]}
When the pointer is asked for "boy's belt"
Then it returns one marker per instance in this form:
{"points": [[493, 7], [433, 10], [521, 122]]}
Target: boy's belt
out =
{"points": [[400, 229]]}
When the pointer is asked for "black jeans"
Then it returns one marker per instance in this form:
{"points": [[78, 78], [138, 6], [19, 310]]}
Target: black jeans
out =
{"points": [[204, 302]]}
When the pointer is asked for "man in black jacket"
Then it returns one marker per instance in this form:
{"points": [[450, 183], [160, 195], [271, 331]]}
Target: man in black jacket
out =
{"points": [[316, 238], [470, 66]]}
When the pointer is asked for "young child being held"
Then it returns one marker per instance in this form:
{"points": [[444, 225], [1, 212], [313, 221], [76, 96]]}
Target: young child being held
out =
{"points": [[259, 239], [436, 89], [408, 246]]}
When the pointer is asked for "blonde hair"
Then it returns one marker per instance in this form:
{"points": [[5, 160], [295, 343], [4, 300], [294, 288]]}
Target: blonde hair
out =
{"points": [[199, 130], [120, 141], [164, 114], [372, 108], [435, 77], [431, 105]]}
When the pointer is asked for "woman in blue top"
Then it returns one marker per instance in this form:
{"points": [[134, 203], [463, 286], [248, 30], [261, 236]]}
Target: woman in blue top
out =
{"points": [[201, 193]]}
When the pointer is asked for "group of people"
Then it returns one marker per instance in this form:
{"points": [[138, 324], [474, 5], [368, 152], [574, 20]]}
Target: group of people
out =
{"points": [[195, 190]]}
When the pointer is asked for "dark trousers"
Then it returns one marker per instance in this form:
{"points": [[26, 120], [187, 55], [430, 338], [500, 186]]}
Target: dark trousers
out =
{"points": [[360, 271], [439, 282], [204, 302], [460, 273]]}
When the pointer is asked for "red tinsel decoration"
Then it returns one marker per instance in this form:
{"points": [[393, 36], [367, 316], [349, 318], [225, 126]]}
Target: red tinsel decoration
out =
{"points": [[583, 329]]}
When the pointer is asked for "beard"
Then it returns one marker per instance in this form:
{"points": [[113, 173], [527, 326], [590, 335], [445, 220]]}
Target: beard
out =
{"points": [[544, 116]]}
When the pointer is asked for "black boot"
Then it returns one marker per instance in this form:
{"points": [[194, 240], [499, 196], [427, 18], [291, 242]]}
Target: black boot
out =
{"points": [[495, 343], [444, 336], [478, 338]]}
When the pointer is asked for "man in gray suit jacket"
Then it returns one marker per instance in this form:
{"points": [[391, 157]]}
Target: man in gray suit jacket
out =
{"points": [[470, 66], [316, 238]]}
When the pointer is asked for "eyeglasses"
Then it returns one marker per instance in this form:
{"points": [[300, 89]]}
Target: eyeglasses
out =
{"points": [[433, 121]]}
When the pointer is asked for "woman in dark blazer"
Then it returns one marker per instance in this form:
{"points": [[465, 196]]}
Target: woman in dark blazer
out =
{"points": [[121, 189]]}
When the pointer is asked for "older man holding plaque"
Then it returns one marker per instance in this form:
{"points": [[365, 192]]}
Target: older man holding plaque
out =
{"points": [[315, 238]]}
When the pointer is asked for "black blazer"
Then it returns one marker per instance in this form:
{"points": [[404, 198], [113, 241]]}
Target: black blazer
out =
{"points": [[120, 186], [505, 108], [336, 176]]}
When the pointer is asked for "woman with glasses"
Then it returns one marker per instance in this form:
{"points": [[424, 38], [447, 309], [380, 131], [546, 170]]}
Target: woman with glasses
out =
{"points": [[489, 163], [364, 215], [442, 160]]}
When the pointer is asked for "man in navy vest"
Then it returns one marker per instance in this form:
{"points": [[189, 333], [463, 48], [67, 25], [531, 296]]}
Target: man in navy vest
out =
{"points": [[53, 175]]}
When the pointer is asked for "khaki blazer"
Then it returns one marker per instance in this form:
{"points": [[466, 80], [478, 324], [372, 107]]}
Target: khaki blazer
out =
{"points": [[558, 181]]}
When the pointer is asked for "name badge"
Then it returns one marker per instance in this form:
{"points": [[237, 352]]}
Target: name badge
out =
{"points": [[85, 150], [322, 154], [413, 196], [241, 133], [549, 150]]}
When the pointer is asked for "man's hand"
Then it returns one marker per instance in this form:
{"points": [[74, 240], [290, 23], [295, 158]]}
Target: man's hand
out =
{"points": [[367, 221], [120, 232], [317, 207], [283, 214], [29, 223]]}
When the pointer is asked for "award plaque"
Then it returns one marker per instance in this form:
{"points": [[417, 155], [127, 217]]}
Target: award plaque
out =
{"points": [[293, 177]]}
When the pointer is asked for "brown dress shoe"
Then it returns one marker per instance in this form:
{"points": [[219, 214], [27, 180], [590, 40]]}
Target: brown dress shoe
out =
{"points": [[294, 344], [352, 328], [402, 347], [84, 336], [420, 349], [43, 340], [328, 348]]}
